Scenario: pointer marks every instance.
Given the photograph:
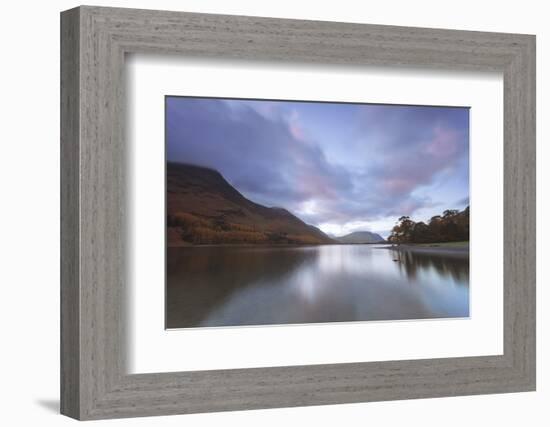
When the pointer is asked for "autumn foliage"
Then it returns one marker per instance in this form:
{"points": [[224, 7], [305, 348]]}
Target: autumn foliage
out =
{"points": [[200, 231], [203, 208], [451, 226]]}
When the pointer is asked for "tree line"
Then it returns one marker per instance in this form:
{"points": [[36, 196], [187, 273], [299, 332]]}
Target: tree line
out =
{"points": [[452, 226]]}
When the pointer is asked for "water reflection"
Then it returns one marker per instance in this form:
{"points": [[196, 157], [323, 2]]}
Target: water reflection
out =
{"points": [[455, 266], [229, 286]]}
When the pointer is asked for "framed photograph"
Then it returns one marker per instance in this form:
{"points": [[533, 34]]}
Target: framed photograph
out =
{"points": [[262, 213], [280, 235]]}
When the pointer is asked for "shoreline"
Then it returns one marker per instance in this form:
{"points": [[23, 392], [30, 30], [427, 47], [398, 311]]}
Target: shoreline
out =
{"points": [[203, 245], [462, 250]]}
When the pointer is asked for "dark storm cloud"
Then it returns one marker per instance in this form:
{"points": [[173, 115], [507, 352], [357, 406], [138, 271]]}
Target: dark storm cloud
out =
{"points": [[258, 155], [266, 154]]}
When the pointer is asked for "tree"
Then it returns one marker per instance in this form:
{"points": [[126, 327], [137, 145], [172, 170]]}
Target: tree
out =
{"points": [[402, 231], [451, 226], [450, 213], [421, 233]]}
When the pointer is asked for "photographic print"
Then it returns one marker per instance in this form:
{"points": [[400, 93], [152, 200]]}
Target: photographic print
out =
{"points": [[296, 212]]}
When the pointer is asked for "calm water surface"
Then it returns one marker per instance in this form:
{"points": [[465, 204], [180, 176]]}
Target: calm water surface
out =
{"points": [[253, 285]]}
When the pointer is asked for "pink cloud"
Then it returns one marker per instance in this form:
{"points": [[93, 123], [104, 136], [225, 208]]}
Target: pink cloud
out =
{"points": [[296, 131], [294, 127], [398, 185], [444, 144]]}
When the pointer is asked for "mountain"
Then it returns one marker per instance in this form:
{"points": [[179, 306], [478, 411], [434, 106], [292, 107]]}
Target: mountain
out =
{"points": [[203, 208], [361, 237]]}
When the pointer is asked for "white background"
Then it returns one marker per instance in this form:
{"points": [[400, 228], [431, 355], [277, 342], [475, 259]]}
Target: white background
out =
{"points": [[152, 349], [29, 218]]}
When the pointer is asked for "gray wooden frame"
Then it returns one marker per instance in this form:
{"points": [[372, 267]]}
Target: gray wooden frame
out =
{"points": [[94, 41]]}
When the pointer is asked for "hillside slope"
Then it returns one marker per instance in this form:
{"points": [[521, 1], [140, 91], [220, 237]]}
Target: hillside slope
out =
{"points": [[203, 208], [359, 237]]}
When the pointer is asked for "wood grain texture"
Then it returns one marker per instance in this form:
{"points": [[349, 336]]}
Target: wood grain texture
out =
{"points": [[94, 271], [70, 292]]}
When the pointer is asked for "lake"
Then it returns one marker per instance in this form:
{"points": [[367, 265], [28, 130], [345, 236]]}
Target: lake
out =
{"points": [[211, 286]]}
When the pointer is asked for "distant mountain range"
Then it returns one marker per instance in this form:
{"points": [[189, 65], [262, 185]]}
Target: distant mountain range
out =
{"points": [[203, 208], [359, 237]]}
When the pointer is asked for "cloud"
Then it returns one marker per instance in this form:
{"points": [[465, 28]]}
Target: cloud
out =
{"points": [[462, 203], [267, 151], [261, 156]]}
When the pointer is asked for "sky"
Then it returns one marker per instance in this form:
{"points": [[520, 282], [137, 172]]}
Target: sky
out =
{"points": [[341, 167]]}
